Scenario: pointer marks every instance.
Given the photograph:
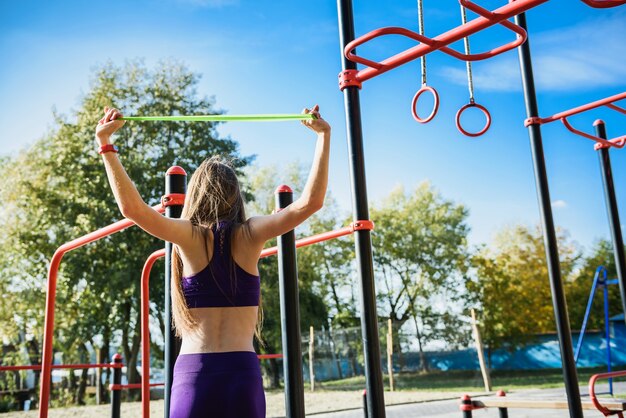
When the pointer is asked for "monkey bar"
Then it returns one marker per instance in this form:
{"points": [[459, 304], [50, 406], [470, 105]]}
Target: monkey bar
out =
{"points": [[145, 301], [427, 45], [617, 142]]}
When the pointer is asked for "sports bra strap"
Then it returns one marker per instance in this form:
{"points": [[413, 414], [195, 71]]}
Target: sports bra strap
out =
{"points": [[221, 239]]}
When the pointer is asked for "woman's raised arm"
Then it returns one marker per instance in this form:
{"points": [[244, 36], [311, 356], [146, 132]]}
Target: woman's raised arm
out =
{"points": [[262, 228], [132, 206]]}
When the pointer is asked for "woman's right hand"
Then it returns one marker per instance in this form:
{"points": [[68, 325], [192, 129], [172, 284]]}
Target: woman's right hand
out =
{"points": [[318, 125], [108, 125]]}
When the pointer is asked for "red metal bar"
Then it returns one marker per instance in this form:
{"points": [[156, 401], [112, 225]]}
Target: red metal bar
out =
{"points": [[145, 331], [60, 366], [592, 391], [593, 105], [46, 361], [325, 236], [604, 4], [269, 356], [617, 142], [428, 45]]}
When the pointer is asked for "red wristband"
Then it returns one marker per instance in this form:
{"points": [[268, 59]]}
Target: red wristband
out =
{"points": [[107, 148]]}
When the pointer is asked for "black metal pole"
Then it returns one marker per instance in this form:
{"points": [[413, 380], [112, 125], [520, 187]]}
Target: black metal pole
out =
{"points": [[175, 183], [360, 212], [611, 208], [116, 394], [290, 314], [549, 235]]}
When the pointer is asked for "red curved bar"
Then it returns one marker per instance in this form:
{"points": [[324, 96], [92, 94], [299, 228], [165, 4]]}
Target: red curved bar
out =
{"points": [[62, 366], [617, 142], [421, 91], [485, 112], [592, 390], [145, 331], [392, 30], [521, 35], [46, 361], [604, 4], [428, 45]]}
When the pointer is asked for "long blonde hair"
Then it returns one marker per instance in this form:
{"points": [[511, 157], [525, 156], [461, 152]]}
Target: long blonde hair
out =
{"points": [[213, 195]]}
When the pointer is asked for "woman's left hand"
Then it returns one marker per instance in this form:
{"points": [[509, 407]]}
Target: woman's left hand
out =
{"points": [[108, 125]]}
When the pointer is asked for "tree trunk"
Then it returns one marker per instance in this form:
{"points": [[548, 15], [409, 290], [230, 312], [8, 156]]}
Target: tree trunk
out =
{"points": [[423, 362], [82, 384]]}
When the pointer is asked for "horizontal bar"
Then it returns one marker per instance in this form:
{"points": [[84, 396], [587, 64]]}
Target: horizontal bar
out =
{"points": [[224, 118], [269, 356], [62, 366], [505, 12], [593, 105], [132, 386], [314, 239]]}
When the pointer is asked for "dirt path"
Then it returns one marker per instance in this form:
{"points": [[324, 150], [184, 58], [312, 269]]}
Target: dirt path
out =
{"points": [[318, 402]]}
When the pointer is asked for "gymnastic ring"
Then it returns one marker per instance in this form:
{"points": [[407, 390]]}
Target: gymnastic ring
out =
{"points": [[416, 98], [463, 109]]}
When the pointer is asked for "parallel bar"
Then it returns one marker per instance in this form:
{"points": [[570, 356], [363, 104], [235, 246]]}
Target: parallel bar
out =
{"points": [[549, 234], [363, 243], [613, 214], [290, 314], [505, 12], [314, 239], [51, 291]]}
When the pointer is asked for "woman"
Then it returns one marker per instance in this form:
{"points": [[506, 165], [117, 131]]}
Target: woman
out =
{"points": [[215, 279]]}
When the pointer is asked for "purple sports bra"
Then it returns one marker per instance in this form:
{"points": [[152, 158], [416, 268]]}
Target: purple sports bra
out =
{"points": [[222, 283]]}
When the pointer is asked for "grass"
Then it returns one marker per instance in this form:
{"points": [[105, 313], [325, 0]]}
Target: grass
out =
{"points": [[466, 381]]}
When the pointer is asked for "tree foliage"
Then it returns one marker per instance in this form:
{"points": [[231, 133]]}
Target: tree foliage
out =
{"points": [[57, 190], [512, 289], [420, 253]]}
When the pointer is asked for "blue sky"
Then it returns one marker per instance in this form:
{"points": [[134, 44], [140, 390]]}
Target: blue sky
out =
{"points": [[279, 56]]}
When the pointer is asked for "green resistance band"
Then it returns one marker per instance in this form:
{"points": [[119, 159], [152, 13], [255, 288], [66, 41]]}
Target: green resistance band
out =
{"points": [[224, 118]]}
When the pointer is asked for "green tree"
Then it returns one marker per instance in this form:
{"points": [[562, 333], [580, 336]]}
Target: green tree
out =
{"points": [[511, 286], [420, 254], [57, 190]]}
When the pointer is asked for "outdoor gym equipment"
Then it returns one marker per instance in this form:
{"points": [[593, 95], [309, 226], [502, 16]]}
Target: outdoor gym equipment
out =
{"points": [[351, 80], [470, 86], [425, 87]]}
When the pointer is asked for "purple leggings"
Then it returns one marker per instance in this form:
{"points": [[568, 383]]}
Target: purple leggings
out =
{"points": [[217, 385]]}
